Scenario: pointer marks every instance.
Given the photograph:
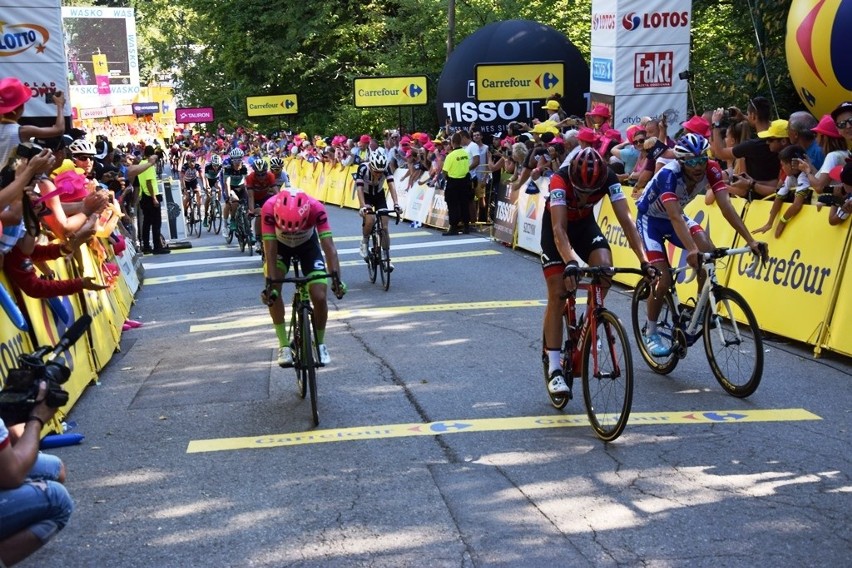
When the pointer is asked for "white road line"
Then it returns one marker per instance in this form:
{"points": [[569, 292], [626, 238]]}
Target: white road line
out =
{"points": [[256, 258]]}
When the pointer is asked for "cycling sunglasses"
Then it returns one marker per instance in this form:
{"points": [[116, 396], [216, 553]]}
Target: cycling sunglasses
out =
{"points": [[697, 161]]}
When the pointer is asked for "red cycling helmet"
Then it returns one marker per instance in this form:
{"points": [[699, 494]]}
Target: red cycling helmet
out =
{"points": [[588, 171], [291, 210]]}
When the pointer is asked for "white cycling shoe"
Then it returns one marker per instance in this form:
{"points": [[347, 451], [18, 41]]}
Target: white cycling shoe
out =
{"points": [[285, 357], [324, 357]]}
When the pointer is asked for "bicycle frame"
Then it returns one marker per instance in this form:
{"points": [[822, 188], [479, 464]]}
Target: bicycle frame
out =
{"points": [[594, 304]]}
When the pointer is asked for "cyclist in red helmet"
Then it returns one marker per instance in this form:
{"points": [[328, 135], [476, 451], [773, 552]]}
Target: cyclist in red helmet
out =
{"points": [[295, 225], [570, 234]]}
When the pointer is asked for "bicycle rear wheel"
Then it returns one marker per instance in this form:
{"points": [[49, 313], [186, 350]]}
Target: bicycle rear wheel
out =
{"points": [[733, 343], [298, 358], [308, 359], [607, 376], [666, 327]]}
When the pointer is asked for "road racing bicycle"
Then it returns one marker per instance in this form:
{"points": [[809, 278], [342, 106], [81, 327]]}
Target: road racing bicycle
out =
{"points": [[377, 262]]}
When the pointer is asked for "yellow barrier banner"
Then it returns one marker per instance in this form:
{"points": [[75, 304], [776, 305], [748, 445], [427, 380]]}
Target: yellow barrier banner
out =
{"points": [[13, 341], [318, 180], [336, 184], [840, 330], [349, 197], [100, 304], [803, 269], [622, 254]]}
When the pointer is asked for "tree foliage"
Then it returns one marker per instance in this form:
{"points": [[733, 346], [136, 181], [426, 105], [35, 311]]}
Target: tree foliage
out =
{"points": [[225, 50]]}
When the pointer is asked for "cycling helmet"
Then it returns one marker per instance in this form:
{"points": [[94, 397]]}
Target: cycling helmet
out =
{"points": [[236, 154], [260, 167], [82, 146], [291, 209], [216, 160], [588, 171], [378, 160], [691, 146], [276, 163]]}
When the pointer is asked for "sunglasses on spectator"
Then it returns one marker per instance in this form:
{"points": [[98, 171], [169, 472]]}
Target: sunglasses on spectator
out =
{"points": [[845, 123], [83, 158], [697, 161], [638, 142]]}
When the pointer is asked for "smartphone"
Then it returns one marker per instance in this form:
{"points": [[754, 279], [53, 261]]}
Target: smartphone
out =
{"points": [[796, 162]]}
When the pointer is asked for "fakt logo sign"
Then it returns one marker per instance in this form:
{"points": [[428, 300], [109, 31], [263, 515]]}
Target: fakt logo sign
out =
{"points": [[653, 69], [633, 21]]}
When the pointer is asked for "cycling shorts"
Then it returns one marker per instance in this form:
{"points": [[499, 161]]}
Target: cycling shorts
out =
{"points": [[584, 235], [191, 184], [376, 200], [309, 254], [655, 231], [238, 193]]}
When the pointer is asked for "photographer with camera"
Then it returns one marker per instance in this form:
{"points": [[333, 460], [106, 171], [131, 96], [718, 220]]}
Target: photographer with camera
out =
{"points": [[35, 503], [13, 96]]}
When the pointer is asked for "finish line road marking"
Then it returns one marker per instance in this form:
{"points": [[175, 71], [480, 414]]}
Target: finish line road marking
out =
{"points": [[387, 312], [259, 269], [492, 425]]}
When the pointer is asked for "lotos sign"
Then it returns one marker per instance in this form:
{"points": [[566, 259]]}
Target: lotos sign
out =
{"points": [[187, 115]]}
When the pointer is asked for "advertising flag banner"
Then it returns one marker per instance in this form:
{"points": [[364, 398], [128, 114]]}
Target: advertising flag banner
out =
{"points": [[519, 81], [196, 114], [391, 91], [271, 105], [101, 69]]}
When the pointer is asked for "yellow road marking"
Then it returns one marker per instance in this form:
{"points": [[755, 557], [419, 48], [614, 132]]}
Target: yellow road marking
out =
{"points": [[259, 270], [491, 425], [386, 312]]}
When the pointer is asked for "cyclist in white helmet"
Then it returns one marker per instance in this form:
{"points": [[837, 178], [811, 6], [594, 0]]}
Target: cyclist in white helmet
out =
{"points": [[234, 175], [370, 180]]}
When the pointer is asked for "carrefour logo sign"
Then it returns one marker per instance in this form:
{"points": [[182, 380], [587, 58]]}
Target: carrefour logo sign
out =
{"points": [[496, 82], [17, 38], [391, 91]]}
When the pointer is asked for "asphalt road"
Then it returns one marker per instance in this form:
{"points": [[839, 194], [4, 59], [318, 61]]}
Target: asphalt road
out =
{"points": [[437, 444]]}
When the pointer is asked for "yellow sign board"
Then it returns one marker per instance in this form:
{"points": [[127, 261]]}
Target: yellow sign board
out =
{"points": [[272, 104], [391, 91], [520, 81]]}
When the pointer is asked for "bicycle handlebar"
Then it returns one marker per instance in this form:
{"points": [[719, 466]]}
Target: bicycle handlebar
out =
{"points": [[383, 212], [722, 252], [302, 279]]}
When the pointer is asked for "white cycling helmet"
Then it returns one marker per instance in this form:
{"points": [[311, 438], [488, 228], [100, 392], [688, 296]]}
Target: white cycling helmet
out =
{"points": [[378, 160], [237, 154], [276, 163], [216, 160], [82, 146]]}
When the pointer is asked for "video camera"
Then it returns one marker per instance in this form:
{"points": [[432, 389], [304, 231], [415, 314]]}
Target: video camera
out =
{"points": [[18, 396]]}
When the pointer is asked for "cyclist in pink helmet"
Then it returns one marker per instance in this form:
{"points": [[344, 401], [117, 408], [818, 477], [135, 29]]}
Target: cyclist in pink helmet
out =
{"points": [[295, 225]]}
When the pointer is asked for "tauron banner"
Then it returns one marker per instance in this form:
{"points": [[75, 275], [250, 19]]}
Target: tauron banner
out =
{"points": [[640, 58], [510, 42], [32, 49]]}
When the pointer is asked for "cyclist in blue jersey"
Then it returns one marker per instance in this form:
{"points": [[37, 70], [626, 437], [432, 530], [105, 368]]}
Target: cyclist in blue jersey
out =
{"points": [[276, 166], [661, 218]]}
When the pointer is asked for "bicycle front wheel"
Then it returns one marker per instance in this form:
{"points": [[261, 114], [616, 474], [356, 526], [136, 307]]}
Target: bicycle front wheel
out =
{"points": [[384, 266], [197, 219], [298, 358], [607, 376], [216, 216], [308, 360], [733, 344], [666, 328]]}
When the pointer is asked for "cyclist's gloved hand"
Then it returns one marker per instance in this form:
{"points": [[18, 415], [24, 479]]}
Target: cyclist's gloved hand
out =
{"points": [[571, 274], [363, 210], [339, 289], [268, 296], [397, 209], [649, 270], [761, 249]]}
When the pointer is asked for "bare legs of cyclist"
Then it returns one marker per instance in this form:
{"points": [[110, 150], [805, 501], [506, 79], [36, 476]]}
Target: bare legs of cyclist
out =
{"points": [[655, 301], [318, 292], [553, 330]]}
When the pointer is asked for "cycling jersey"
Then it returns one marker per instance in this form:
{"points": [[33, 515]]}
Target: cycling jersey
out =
{"points": [[669, 184], [562, 193], [190, 172], [212, 174], [261, 186], [317, 221], [283, 180], [236, 175], [369, 185]]}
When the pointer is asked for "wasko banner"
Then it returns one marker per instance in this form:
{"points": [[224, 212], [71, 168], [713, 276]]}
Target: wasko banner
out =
{"points": [[187, 115]]}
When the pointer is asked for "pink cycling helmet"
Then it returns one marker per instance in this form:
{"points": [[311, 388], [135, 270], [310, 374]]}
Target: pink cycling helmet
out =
{"points": [[291, 210]]}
